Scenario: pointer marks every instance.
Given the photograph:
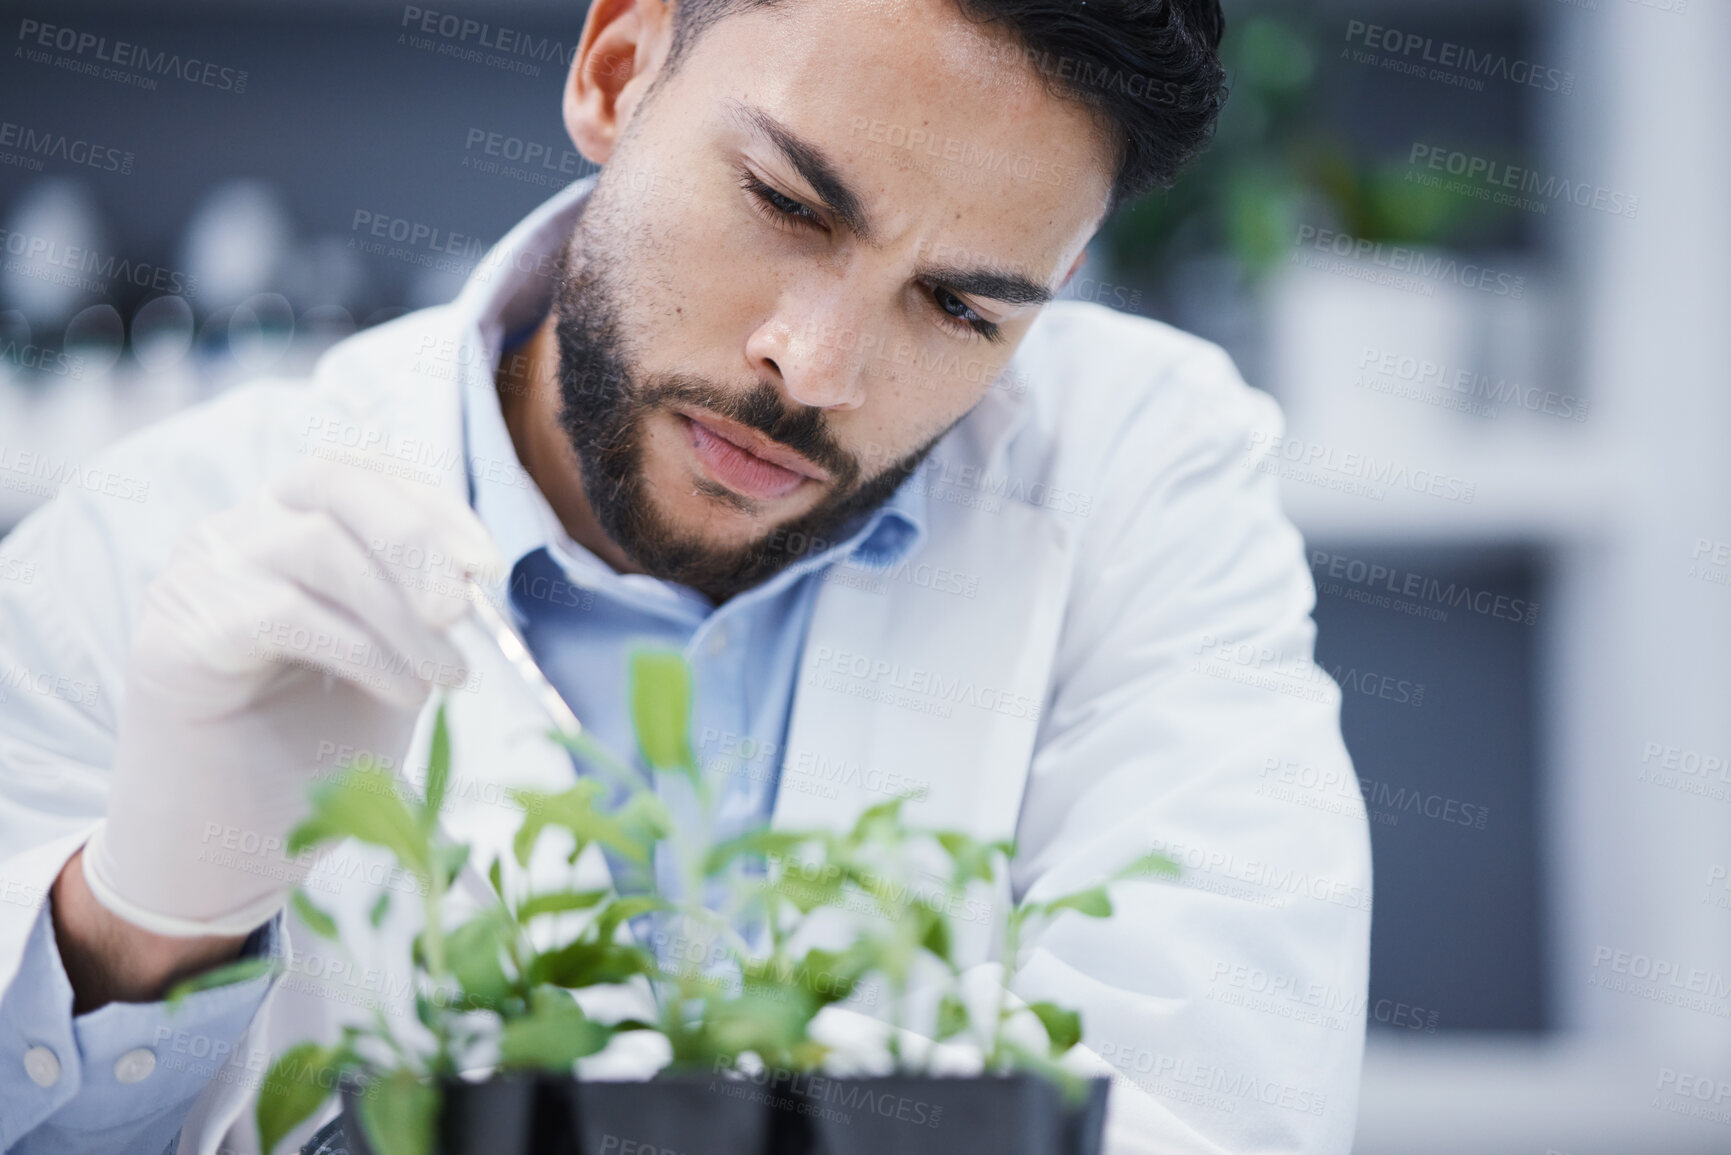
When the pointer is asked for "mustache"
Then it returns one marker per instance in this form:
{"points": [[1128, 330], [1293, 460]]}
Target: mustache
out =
{"points": [[804, 430]]}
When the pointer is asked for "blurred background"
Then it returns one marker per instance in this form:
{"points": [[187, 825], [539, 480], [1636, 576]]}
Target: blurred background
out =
{"points": [[1476, 249]]}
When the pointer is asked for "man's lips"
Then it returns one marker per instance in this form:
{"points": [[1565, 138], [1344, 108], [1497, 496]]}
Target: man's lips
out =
{"points": [[745, 461]]}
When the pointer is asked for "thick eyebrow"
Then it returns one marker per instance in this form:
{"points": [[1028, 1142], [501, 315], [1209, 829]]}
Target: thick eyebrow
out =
{"points": [[996, 284], [813, 164]]}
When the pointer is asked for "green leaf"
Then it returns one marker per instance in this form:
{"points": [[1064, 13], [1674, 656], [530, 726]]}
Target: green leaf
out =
{"points": [[623, 910], [778, 844], [973, 860], [452, 857], [319, 922], [427, 1011], [546, 999], [495, 875], [293, 1089], [362, 803], [381, 907], [828, 976], [398, 1113], [661, 708], [553, 1038], [935, 937], [1155, 865], [438, 771], [767, 1020], [632, 831], [952, 1017], [474, 953], [229, 974], [559, 902], [585, 964], [798, 885], [1063, 1028], [1092, 902], [877, 822]]}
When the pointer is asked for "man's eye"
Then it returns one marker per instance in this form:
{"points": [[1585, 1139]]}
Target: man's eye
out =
{"points": [[968, 320], [955, 306], [777, 204]]}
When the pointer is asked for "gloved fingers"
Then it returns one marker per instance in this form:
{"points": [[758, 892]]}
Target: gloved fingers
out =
{"points": [[316, 553], [428, 540], [296, 628], [230, 612]]}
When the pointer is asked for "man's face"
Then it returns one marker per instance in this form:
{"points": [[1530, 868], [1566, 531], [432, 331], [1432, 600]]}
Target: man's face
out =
{"points": [[814, 248]]}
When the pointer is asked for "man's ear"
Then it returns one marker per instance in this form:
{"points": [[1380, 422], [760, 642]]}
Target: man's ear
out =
{"points": [[623, 46]]}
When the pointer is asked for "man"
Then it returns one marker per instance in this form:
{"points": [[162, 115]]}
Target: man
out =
{"points": [[782, 388]]}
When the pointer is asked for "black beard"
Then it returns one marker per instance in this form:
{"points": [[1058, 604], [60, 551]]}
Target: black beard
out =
{"points": [[603, 413]]}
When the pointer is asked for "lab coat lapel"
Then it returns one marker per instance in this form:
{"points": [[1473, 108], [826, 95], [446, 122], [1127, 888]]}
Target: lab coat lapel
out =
{"points": [[906, 683]]}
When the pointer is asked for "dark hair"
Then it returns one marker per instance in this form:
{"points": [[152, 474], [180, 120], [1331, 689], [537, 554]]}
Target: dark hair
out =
{"points": [[1149, 70]]}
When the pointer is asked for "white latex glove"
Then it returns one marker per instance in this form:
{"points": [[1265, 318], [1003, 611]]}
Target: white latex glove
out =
{"points": [[306, 621]]}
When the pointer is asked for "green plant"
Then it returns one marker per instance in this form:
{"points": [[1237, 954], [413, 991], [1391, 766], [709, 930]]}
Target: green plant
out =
{"points": [[1275, 161], [484, 982]]}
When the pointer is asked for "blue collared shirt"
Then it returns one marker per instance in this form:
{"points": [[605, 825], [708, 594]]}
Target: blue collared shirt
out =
{"points": [[581, 619]]}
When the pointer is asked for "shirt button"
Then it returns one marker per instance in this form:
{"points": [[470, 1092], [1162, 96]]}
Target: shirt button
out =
{"points": [[42, 1067], [135, 1066], [717, 642]]}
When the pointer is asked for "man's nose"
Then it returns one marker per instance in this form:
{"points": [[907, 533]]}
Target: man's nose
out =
{"points": [[817, 351]]}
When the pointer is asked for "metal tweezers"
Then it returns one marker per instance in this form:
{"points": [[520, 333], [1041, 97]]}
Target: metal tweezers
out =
{"points": [[516, 652]]}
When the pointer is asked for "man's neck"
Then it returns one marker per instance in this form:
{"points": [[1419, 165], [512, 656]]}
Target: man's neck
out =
{"points": [[528, 386]]}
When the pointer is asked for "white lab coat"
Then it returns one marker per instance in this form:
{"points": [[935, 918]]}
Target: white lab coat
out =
{"points": [[1121, 665]]}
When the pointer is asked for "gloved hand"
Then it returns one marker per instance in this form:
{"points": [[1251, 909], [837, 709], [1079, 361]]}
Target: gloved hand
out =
{"points": [[306, 620]]}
